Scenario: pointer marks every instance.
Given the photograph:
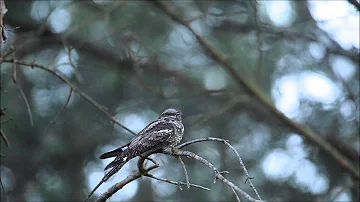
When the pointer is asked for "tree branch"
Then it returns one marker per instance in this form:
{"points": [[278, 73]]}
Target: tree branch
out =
{"points": [[253, 89], [217, 173], [232, 148], [185, 171], [21, 91], [176, 183], [175, 152], [65, 80], [59, 112], [121, 184]]}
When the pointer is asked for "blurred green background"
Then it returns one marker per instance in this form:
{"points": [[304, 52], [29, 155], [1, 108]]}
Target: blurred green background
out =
{"points": [[135, 61]]}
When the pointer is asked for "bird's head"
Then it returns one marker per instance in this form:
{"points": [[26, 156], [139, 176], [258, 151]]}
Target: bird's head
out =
{"points": [[171, 113]]}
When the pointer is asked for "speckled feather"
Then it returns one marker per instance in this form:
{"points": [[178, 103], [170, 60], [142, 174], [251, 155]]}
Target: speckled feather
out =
{"points": [[165, 132]]}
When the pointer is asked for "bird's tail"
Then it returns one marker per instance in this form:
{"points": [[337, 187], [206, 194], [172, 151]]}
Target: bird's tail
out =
{"points": [[121, 159], [115, 152], [114, 170]]}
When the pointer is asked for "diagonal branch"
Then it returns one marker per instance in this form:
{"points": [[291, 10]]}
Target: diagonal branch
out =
{"points": [[59, 112], [121, 184], [3, 136], [254, 90], [236, 196], [75, 89]]}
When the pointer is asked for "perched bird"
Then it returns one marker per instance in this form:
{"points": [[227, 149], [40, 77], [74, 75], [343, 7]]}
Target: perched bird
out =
{"points": [[163, 133]]}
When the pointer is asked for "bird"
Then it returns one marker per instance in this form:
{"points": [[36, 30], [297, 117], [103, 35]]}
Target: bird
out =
{"points": [[159, 135], [163, 133]]}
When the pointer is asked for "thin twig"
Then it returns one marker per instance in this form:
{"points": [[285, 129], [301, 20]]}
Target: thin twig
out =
{"points": [[233, 149], [236, 196], [27, 104], [217, 173], [21, 91], [3, 136], [59, 112], [185, 171], [63, 107], [65, 80], [176, 183]]}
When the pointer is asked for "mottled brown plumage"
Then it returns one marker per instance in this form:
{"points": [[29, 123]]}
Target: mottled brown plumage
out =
{"points": [[163, 133]]}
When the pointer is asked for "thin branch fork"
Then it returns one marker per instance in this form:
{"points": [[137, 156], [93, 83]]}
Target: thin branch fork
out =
{"points": [[248, 179], [217, 173]]}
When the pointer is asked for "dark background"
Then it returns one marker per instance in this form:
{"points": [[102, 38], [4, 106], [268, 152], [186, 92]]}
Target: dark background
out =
{"points": [[135, 60]]}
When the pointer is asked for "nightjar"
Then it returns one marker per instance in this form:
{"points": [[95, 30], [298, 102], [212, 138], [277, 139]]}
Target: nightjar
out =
{"points": [[163, 133]]}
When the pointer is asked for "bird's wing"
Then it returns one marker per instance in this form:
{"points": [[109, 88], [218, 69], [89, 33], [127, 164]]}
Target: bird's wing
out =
{"points": [[155, 138], [149, 127], [155, 135]]}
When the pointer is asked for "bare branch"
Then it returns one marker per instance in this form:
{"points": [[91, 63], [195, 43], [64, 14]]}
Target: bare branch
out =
{"points": [[121, 184], [236, 196], [235, 152], [176, 183], [62, 109], [185, 171], [142, 171], [27, 103], [217, 173], [3, 136], [22, 92], [65, 80]]}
